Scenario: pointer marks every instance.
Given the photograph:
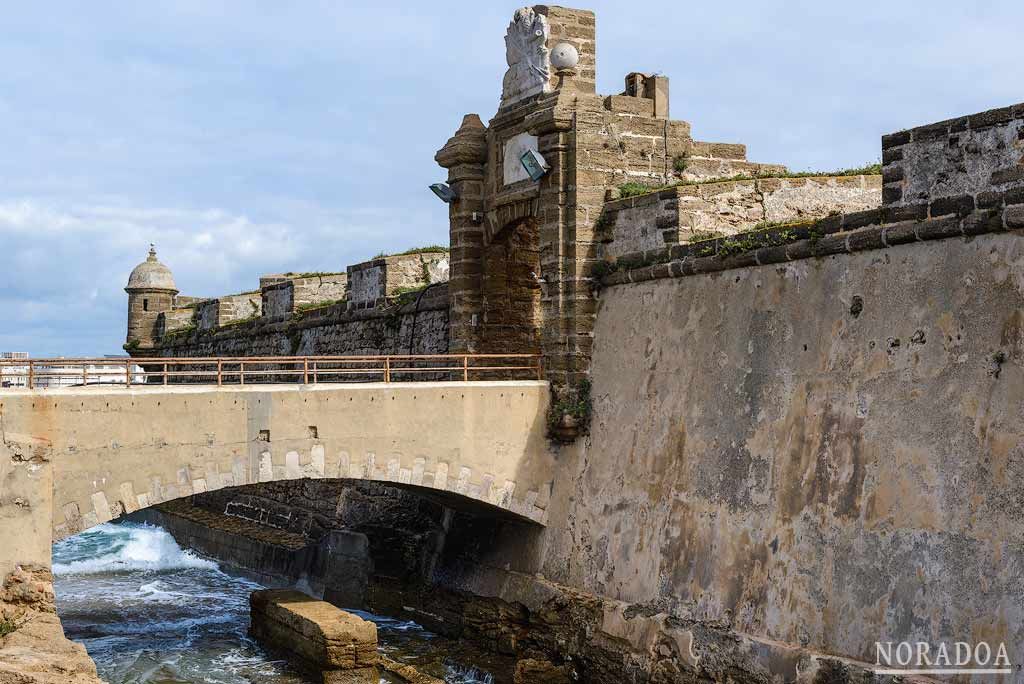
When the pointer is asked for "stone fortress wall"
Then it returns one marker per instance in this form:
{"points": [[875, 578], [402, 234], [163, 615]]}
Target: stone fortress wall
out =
{"points": [[804, 439], [394, 304]]}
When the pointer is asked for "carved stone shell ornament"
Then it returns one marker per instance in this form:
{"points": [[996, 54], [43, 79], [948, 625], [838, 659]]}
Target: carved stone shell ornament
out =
{"points": [[528, 57]]}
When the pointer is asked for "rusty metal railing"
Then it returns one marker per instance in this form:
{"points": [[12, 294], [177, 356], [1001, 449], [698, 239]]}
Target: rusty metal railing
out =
{"points": [[49, 373]]}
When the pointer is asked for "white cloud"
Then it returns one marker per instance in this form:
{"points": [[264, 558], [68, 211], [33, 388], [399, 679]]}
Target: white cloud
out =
{"points": [[64, 268]]}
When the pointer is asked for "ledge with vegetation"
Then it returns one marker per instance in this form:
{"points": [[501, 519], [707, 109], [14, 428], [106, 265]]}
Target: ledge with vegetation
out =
{"points": [[835, 234], [637, 189]]}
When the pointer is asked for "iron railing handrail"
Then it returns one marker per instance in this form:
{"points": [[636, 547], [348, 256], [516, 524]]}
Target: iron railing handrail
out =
{"points": [[233, 369]]}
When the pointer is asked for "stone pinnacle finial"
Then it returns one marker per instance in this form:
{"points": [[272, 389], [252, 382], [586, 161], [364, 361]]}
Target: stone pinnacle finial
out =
{"points": [[152, 252], [467, 146]]}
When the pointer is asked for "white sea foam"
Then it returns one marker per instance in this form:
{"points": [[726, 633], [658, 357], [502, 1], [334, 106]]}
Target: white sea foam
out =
{"points": [[135, 547], [154, 591], [457, 674]]}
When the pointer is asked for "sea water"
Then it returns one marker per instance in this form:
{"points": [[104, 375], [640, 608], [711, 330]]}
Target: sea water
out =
{"points": [[150, 612]]}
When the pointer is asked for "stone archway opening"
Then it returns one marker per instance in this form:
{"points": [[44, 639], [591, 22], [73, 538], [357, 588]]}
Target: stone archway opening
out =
{"points": [[511, 300], [359, 544]]}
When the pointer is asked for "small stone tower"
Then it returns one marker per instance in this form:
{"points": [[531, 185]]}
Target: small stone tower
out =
{"points": [[151, 291]]}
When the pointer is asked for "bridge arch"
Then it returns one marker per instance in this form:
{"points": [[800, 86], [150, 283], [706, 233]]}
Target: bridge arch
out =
{"points": [[103, 452]]}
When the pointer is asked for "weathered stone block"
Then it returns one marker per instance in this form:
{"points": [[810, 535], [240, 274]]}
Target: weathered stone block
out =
{"points": [[960, 205], [900, 233], [530, 671], [372, 281], [623, 104], [287, 296], [953, 159], [213, 313], [865, 238], [1015, 216], [318, 637], [914, 212], [937, 228]]}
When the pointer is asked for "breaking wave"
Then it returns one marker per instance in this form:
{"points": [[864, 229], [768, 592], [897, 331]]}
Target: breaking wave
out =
{"points": [[121, 548]]}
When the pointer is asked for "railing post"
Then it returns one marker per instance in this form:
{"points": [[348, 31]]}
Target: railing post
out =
{"points": [[315, 378], [241, 372], [127, 373], [465, 367], [387, 369], [165, 373], [305, 370], [220, 373], [85, 375], [31, 375], [540, 367]]}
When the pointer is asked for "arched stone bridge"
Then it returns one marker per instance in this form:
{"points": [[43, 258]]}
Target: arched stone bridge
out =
{"points": [[72, 459]]}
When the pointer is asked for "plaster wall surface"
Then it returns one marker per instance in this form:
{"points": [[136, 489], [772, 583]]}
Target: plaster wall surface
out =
{"points": [[827, 452]]}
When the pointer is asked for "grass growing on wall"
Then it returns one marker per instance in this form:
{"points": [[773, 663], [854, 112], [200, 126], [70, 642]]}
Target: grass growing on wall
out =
{"points": [[179, 333], [429, 249], [407, 294], [241, 321], [576, 403], [10, 624], [792, 223], [309, 306], [635, 189]]}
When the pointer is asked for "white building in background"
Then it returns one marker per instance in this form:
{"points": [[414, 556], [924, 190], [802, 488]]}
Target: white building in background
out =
{"points": [[13, 375], [63, 372]]}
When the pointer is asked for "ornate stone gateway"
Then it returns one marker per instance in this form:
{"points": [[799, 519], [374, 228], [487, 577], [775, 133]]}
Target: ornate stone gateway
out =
{"points": [[538, 289]]}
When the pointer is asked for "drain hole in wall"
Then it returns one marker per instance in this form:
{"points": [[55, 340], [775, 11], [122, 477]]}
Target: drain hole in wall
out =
{"points": [[856, 305], [312, 432]]}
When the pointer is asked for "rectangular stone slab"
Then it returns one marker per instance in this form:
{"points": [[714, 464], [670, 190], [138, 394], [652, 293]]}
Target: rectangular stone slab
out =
{"points": [[319, 635]]}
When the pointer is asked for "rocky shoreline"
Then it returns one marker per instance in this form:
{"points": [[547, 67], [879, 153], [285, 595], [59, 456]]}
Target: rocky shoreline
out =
{"points": [[33, 648]]}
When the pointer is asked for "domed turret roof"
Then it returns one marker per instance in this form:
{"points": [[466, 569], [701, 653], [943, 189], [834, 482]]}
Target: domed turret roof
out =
{"points": [[151, 275]]}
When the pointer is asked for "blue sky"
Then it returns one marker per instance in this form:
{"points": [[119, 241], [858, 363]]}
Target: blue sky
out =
{"points": [[253, 137]]}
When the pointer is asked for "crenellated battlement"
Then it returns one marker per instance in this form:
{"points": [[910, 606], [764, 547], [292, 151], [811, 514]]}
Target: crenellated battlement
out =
{"points": [[292, 295], [389, 304]]}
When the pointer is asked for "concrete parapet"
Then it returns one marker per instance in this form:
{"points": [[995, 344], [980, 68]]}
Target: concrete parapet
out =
{"points": [[324, 640]]}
